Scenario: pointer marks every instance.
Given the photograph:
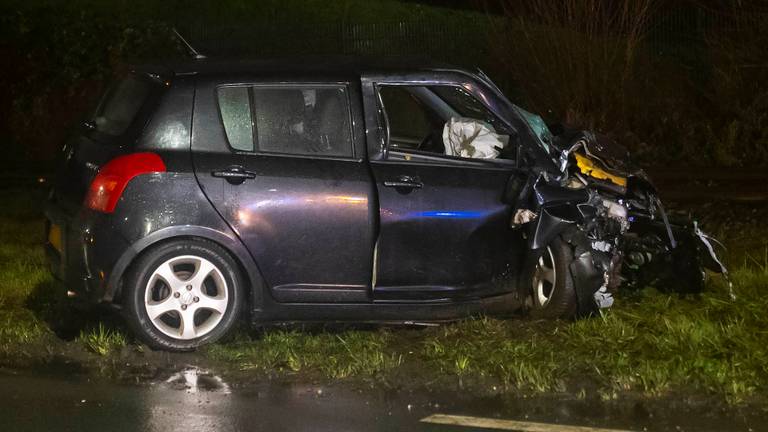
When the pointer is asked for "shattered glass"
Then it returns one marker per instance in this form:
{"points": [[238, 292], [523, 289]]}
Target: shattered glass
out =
{"points": [[540, 129], [236, 116]]}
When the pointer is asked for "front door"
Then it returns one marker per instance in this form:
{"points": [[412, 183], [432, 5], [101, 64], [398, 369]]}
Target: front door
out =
{"points": [[290, 181], [444, 227]]}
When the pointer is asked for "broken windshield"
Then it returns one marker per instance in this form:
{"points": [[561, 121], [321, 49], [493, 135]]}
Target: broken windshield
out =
{"points": [[533, 121], [539, 128]]}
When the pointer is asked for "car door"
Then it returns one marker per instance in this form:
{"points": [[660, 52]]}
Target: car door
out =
{"points": [[287, 174], [444, 225]]}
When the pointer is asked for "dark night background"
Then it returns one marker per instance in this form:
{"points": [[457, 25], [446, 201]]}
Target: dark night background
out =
{"points": [[681, 83]]}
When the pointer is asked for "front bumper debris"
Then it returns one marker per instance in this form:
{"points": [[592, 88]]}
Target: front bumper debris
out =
{"points": [[620, 233]]}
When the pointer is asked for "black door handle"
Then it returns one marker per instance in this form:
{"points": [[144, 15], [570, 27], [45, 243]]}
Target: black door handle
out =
{"points": [[404, 181], [234, 174]]}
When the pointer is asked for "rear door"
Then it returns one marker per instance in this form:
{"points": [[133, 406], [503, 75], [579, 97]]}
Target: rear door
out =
{"points": [[444, 225], [282, 162]]}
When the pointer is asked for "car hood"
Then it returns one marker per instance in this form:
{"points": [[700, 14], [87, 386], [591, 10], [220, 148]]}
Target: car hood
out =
{"points": [[601, 151]]}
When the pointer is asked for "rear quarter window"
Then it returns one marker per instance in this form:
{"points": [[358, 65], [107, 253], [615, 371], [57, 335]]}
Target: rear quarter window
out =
{"points": [[235, 109], [121, 104]]}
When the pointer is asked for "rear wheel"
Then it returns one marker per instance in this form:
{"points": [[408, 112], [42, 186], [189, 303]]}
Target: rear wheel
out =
{"points": [[183, 294], [552, 291]]}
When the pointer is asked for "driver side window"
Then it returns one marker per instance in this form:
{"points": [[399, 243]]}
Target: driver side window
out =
{"points": [[442, 120], [408, 119]]}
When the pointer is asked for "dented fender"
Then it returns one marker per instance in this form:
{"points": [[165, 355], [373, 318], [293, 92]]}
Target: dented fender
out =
{"points": [[587, 280], [551, 222], [557, 211]]}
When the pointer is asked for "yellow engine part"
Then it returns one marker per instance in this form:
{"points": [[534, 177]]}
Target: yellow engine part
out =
{"points": [[588, 167]]}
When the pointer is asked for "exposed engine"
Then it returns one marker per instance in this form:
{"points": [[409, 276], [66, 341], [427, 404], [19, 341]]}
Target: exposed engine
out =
{"points": [[610, 214]]}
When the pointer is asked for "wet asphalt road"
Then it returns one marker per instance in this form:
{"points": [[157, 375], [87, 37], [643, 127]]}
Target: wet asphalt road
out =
{"points": [[193, 400]]}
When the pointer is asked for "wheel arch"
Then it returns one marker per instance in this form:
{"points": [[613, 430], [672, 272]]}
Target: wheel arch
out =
{"points": [[248, 267]]}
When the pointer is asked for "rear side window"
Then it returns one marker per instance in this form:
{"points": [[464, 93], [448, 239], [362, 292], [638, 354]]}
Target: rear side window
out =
{"points": [[298, 120], [121, 104]]}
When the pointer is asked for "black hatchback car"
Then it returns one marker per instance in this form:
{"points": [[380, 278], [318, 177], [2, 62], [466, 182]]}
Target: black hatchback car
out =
{"points": [[292, 191]]}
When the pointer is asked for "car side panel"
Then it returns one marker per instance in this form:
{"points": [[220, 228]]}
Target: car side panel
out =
{"points": [[155, 207], [149, 214], [308, 221], [452, 232]]}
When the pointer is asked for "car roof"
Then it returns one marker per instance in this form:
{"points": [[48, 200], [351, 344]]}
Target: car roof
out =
{"points": [[326, 65]]}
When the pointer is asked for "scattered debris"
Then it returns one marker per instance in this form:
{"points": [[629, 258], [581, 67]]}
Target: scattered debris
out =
{"points": [[522, 217], [610, 214]]}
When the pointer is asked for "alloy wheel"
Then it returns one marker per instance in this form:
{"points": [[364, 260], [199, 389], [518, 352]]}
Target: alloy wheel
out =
{"points": [[544, 278], [186, 297]]}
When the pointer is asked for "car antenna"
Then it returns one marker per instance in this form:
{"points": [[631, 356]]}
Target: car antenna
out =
{"points": [[192, 51]]}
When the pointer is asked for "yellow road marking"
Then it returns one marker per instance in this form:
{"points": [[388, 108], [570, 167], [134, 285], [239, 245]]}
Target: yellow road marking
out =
{"points": [[513, 425]]}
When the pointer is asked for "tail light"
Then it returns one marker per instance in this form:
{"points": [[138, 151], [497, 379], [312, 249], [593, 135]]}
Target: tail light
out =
{"points": [[111, 180]]}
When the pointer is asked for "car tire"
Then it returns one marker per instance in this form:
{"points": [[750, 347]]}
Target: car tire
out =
{"points": [[553, 295], [183, 294]]}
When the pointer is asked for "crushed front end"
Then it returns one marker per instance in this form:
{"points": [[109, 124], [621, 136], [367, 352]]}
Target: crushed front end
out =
{"points": [[617, 227]]}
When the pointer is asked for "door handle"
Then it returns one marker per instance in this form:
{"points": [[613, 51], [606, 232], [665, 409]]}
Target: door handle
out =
{"points": [[234, 174], [404, 181]]}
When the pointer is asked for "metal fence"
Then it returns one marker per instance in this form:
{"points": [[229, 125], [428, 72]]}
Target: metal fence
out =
{"points": [[460, 44], [680, 32], [700, 24]]}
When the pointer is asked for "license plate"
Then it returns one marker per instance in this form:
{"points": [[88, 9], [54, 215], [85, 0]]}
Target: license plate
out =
{"points": [[54, 237]]}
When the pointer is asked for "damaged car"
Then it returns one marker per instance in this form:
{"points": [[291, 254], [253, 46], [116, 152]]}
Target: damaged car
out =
{"points": [[203, 193], [598, 221]]}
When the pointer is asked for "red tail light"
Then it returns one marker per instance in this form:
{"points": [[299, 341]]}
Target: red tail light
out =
{"points": [[112, 178]]}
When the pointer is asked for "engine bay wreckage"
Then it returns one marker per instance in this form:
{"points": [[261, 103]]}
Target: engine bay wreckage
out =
{"points": [[610, 214]]}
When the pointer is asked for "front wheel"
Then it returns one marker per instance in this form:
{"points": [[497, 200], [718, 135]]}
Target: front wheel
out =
{"points": [[553, 294], [183, 294]]}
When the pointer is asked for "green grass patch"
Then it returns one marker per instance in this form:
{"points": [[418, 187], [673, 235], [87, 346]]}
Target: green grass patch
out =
{"points": [[22, 270], [102, 340], [335, 355], [654, 343], [19, 327]]}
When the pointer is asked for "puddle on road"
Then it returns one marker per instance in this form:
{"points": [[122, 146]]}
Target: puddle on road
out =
{"points": [[194, 380]]}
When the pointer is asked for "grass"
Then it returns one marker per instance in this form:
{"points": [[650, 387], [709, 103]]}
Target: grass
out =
{"points": [[335, 355], [650, 343], [22, 266], [654, 343], [18, 327], [102, 340]]}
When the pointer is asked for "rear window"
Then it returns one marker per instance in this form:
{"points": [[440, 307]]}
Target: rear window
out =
{"points": [[121, 104]]}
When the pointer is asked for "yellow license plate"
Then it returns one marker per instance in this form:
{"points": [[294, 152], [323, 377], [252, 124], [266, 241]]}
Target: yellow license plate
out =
{"points": [[54, 237]]}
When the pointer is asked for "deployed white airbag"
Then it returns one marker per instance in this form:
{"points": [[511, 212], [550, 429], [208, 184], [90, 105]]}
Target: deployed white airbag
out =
{"points": [[470, 138]]}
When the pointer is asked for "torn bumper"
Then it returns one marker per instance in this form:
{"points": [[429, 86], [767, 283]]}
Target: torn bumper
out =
{"points": [[669, 256], [617, 241]]}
